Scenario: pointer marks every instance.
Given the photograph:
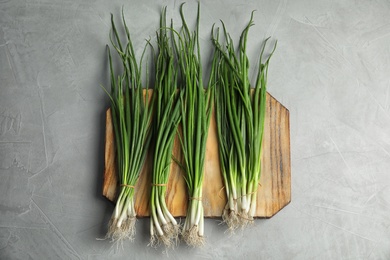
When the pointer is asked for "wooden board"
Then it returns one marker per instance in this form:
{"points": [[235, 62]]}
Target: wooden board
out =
{"points": [[275, 184]]}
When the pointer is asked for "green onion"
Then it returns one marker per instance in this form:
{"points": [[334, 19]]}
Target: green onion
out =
{"points": [[240, 115], [196, 106], [131, 118], [163, 227]]}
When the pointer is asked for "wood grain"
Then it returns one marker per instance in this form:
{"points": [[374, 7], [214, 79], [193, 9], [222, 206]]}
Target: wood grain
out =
{"points": [[275, 184]]}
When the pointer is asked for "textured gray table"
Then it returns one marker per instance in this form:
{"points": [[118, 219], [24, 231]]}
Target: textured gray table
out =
{"points": [[331, 69]]}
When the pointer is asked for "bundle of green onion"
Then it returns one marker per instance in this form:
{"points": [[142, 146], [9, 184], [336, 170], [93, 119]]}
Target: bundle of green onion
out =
{"points": [[240, 116], [196, 106], [131, 113], [163, 227]]}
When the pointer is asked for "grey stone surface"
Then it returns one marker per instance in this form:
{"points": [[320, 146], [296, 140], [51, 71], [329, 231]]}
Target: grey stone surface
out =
{"points": [[331, 70]]}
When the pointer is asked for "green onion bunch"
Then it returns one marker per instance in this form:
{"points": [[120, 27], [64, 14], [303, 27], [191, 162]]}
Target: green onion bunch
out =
{"points": [[131, 113], [196, 106], [163, 227], [240, 115]]}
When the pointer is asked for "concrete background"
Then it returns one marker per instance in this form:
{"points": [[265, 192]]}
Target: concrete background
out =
{"points": [[331, 70]]}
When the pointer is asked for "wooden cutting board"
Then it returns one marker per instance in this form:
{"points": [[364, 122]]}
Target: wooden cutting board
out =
{"points": [[275, 184]]}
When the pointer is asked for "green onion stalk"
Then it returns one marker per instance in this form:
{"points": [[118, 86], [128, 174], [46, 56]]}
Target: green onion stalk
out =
{"points": [[240, 114], [196, 106], [131, 113], [163, 226]]}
